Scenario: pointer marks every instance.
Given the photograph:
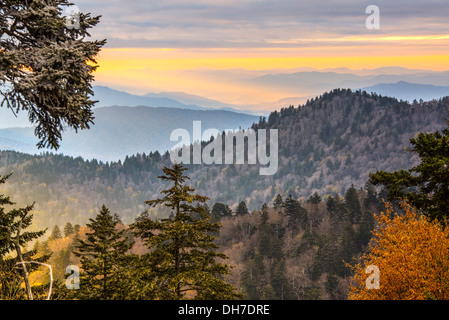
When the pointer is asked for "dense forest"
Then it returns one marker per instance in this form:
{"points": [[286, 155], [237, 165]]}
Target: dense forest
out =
{"points": [[284, 250], [299, 243], [325, 146]]}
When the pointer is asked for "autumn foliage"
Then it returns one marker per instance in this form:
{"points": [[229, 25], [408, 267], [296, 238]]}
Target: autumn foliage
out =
{"points": [[411, 253]]}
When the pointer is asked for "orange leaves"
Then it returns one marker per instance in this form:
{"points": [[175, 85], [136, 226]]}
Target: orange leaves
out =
{"points": [[412, 254]]}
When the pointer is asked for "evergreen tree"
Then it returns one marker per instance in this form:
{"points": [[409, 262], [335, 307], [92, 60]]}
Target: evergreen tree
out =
{"points": [[364, 234], [46, 66], [269, 244], [425, 186], [331, 286], [336, 207], [279, 280], [253, 278], [104, 260], [241, 209], [55, 233], [326, 259], [182, 255], [296, 214], [278, 203], [353, 205], [331, 206], [315, 198], [68, 229], [45, 248], [13, 239], [372, 201], [264, 207], [220, 210], [264, 214], [348, 248], [265, 233], [60, 264]]}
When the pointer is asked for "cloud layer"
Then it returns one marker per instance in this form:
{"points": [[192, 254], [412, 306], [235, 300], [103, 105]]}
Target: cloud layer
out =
{"points": [[257, 23]]}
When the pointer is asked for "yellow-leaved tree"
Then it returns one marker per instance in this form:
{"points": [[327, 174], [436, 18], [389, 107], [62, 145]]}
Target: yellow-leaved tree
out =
{"points": [[408, 259]]}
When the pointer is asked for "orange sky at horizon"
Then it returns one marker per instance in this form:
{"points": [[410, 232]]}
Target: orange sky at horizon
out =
{"points": [[355, 57], [143, 70]]}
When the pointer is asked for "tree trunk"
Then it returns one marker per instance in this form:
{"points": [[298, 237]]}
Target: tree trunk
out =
{"points": [[20, 257]]}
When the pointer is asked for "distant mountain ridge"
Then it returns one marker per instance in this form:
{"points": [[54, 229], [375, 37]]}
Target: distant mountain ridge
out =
{"points": [[122, 131], [306, 83], [191, 99], [327, 145], [409, 91], [110, 97]]}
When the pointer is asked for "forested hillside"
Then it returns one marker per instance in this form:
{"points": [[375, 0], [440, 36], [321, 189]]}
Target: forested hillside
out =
{"points": [[122, 131], [342, 197], [284, 250], [326, 145]]}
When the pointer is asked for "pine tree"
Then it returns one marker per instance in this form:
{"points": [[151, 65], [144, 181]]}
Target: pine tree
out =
{"points": [[68, 229], [253, 278], [296, 214], [331, 286], [371, 201], [220, 210], [265, 232], [364, 232], [55, 233], [104, 260], [315, 198], [336, 207], [182, 255], [61, 262], [241, 209], [269, 241], [425, 186], [348, 248], [279, 280], [278, 203], [45, 248], [47, 64], [353, 205], [13, 238]]}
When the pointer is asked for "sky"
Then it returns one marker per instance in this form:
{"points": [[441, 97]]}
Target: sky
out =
{"points": [[201, 47]]}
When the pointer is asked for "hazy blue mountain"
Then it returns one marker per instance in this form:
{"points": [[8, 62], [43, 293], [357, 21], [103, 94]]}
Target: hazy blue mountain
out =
{"points": [[109, 97], [392, 70], [409, 91], [14, 143], [327, 145], [301, 83], [106, 97], [191, 99], [122, 131]]}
